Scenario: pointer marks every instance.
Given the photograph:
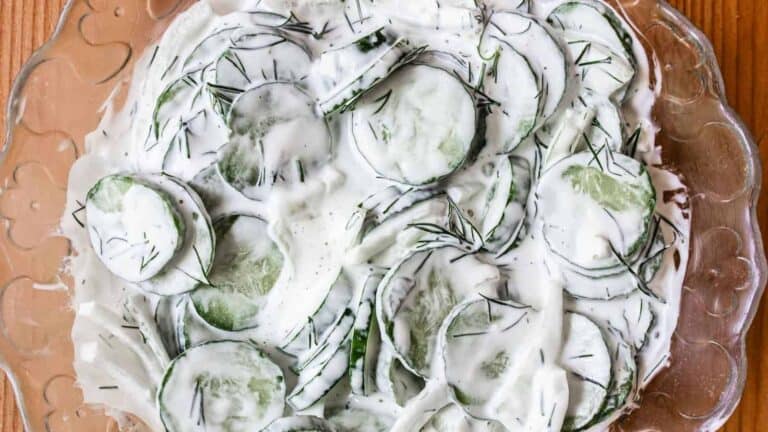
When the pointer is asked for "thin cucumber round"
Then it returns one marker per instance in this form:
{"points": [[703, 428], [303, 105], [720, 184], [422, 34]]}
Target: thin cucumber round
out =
{"points": [[207, 51], [505, 210], [419, 292], [364, 341], [623, 375], [344, 74], [596, 21], [394, 380], [194, 146], [191, 330], [276, 138], [613, 201], [192, 264], [260, 56], [606, 128], [319, 378], [135, 227], [511, 81], [359, 420], [451, 418], [601, 70], [480, 345], [631, 317], [532, 40], [417, 127], [221, 386], [300, 424], [586, 358], [309, 334], [246, 268], [335, 336]]}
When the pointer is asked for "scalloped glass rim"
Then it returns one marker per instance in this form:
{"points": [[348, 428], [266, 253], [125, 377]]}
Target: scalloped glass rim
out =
{"points": [[56, 100]]}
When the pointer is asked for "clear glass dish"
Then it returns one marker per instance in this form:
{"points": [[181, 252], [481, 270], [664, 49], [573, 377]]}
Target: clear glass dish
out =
{"points": [[58, 98]]}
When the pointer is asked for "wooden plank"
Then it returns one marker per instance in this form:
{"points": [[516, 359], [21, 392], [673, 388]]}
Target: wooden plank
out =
{"points": [[738, 32]]}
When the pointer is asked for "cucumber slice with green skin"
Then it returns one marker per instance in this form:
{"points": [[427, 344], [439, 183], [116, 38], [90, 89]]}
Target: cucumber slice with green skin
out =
{"points": [[586, 358], [594, 21], [207, 51], [479, 348], [601, 70], [300, 424], [394, 379], [513, 84], [184, 95], [135, 227], [246, 268], [506, 204], [276, 138], [451, 418], [345, 73], [308, 334], [407, 143], [260, 56], [388, 234], [364, 343], [605, 130], [319, 378], [326, 347], [418, 293], [194, 147], [358, 420], [631, 317], [191, 265], [221, 386], [614, 199], [191, 330], [623, 375], [533, 41]]}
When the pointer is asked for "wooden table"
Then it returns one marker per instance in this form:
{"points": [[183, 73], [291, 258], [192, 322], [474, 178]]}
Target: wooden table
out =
{"points": [[738, 30]]}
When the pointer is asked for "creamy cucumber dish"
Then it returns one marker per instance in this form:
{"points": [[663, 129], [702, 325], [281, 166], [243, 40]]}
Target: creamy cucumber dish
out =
{"points": [[389, 215]]}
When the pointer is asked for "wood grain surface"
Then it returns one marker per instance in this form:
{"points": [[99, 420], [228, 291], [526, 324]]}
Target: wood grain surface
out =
{"points": [[738, 30]]}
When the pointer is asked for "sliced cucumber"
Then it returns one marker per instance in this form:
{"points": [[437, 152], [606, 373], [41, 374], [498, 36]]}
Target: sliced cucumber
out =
{"points": [[480, 346], [417, 127], [364, 340], [531, 39], [602, 71], [595, 21], [565, 132], [207, 51], [513, 84], [613, 199], [221, 386], [327, 345], [317, 326], [358, 420], [586, 358], [451, 418], [632, 317], [194, 146], [246, 268], [394, 380], [135, 227], [300, 424], [262, 56], [192, 264], [319, 378], [276, 139], [389, 233], [605, 132], [623, 375], [419, 292], [504, 213], [345, 73], [191, 330]]}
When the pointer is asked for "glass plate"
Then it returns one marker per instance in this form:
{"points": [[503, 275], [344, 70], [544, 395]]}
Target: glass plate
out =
{"points": [[58, 99]]}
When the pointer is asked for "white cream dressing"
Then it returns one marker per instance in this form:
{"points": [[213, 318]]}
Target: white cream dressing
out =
{"points": [[118, 349]]}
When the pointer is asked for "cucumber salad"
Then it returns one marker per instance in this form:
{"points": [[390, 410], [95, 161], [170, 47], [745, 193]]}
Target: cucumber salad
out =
{"points": [[389, 215]]}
